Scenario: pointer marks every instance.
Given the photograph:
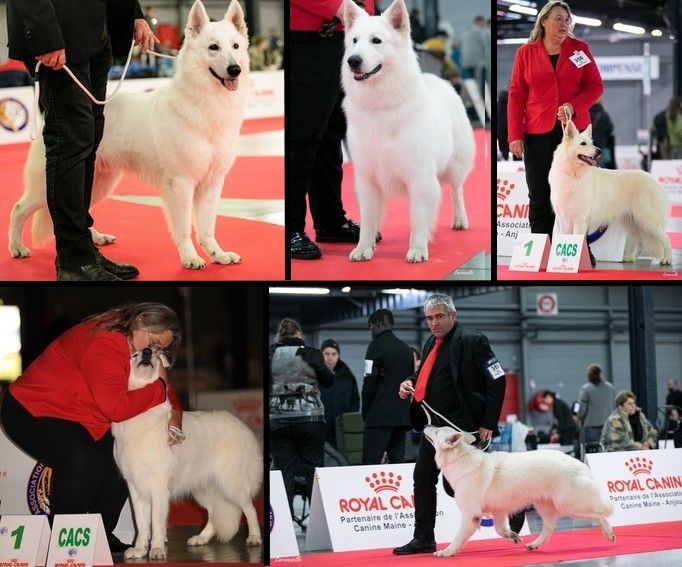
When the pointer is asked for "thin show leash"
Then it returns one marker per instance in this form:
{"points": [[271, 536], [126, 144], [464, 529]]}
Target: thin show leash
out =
{"points": [[36, 92]]}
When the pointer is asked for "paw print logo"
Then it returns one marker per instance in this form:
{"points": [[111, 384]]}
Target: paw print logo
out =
{"points": [[504, 188], [639, 465], [384, 481]]}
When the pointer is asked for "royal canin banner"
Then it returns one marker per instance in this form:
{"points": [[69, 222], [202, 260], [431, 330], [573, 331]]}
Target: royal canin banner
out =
{"points": [[372, 507], [644, 486], [669, 174]]}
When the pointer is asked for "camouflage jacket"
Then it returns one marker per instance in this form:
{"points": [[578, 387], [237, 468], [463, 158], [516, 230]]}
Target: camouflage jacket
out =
{"points": [[617, 432]]}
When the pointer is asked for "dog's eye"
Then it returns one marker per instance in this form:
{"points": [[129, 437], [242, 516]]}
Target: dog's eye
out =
{"points": [[376, 40], [355, 40], [236, 46], [214, 47]]}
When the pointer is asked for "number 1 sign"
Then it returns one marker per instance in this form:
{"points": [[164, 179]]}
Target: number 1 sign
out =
{"points": [[24, 540]]}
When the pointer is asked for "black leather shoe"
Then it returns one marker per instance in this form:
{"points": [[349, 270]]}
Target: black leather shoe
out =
{"points": [[302, 248], [87, 273], [123, 271], [415, 546], [347, 232], [116, 546]]}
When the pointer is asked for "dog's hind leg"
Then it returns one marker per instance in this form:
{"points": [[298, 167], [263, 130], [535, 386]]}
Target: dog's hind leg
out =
{"points": [[205, 499], [104, 182], [549, 515], [423, 212], [142, 510], [467, 528], [206, 201], [502, 528], [459, 212], [21, 211]]}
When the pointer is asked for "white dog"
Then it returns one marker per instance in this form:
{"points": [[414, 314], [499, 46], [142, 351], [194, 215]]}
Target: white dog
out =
{"points": [[408, 132], [182, 138], [497, 484], [220, 464], [583, 195]]}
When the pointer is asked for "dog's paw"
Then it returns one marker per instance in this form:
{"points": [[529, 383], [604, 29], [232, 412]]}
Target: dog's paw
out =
{"points": [[460, 223], [198, 540], [360, 254], [253, 540], [103, 239], [226, 257], [513, 537], [194, 263], [415, 255], [666, 261], [629, 259], [135, 553], [531, 547], [19, 251], [449, 551], [611, 537], [157, 553]]}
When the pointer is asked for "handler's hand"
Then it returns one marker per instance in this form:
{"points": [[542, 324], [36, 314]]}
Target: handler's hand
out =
{"points": [[143, 35], [405, 389], [516, 148], [176, 420], [560, 113], [54, 59], [484, 434]]}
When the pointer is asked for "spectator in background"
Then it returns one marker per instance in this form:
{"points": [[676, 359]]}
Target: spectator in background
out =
{"points": [[437, 46], [659, 135], [258, 53], [673, 121], [13, 73], [342, 396], [566, 426], [418, 31], [602, 135], [502, 131], [674, 397], [417, 354], [596, 403], [388, 362], [473, 52], [674, 410], [627, 428]]}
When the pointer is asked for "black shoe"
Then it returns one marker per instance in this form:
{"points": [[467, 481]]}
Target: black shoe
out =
{"points": [[87, 273], [415, 546], [516, 521], [116, 546], [347, 232], [123, 271], [302, 248]]}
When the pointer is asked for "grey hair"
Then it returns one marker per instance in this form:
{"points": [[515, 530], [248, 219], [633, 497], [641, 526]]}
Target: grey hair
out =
{"points": [[440, 299], [538, 31]]}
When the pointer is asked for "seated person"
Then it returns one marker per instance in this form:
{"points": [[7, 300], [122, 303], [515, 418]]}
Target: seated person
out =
{"points": [[627, 428]]}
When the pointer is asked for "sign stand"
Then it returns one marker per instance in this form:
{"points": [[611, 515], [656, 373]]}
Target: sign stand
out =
{"points": [[317, 536], [78, 540], [24, 540], [530, 254], [568, 254]]}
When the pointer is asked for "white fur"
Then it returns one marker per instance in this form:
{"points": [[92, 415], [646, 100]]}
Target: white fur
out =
{"points": [[408, 132], [497, 484], [220, 464], [182, 138], [583, 195]]}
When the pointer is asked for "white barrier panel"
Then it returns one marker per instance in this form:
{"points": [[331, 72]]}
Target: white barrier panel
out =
{"points": [[266, 100], [372, 506], [282, 537], [669, 174], [644, 486]]}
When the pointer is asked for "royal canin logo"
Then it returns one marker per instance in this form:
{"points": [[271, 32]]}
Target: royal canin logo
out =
{"points": [[639, 465], [518, 211], [379, 482], [643, 466], [383, 481]]}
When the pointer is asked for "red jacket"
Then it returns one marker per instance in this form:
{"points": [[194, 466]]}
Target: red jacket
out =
{"points": [[309, 15], [536, 90], [83, 377]]}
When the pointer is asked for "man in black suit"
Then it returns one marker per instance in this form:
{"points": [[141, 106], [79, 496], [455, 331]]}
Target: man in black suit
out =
{"points": [[387, 418], [461, 379], [81, 35]]}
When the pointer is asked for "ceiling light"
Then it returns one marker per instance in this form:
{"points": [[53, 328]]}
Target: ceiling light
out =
{"points": [[656, 33], [300, 290], [523, 10], [586, 21], [345, 289], [628, 29]]}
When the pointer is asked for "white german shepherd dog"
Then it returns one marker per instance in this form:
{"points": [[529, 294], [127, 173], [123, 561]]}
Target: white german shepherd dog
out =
{"points": [[220, 464], [408, 132], [182, 138], [583, 195], [497, 484]]}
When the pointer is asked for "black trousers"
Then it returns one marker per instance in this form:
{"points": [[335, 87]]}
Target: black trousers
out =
{"points": [[318, 126], [73, 130], [538, 150], [376, 440], [297, 450], [85, 478]]}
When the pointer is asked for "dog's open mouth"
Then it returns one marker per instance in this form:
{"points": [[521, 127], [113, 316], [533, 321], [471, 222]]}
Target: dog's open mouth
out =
{"points": [[229, 83], [589, 160], [358, 76]]}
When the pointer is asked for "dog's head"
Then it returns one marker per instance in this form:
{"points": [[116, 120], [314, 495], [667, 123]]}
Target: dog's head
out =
{"points": [[447, 441], [373, 42], [144, 366], [579, 144], [218, 50]]}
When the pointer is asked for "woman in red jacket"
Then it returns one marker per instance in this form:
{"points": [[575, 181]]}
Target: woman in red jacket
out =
{"points": [[554, 74], [60, 410]]}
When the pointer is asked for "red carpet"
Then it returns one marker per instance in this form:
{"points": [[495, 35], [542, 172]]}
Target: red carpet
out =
{"points": [[563, 546], [449, 249], [142, 234], [503, 273]]}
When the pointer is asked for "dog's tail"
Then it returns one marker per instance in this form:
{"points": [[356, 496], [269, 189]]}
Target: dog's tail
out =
{"points": [[608, 507], [41, 227], [225, 517]]}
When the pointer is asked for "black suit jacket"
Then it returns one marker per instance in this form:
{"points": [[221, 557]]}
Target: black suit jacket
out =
{"points": [[81, 27], [473, 368]]}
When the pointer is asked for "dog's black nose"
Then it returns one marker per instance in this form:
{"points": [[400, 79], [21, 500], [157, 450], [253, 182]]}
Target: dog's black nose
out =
{"points": [[146, 356], [355, 61], [234, 70]]}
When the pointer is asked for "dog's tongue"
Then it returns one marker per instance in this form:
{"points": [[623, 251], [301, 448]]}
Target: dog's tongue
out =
{"points": [[231, 84]]}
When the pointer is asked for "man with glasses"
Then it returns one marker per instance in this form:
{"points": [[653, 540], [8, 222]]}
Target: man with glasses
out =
{"points": [[461, 379]]}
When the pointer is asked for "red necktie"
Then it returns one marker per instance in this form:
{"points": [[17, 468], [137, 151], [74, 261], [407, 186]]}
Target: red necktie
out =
{"points": [[425, 372]]}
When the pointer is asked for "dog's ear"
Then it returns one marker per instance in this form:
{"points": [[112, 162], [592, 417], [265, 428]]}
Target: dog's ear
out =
{"points": [[235, 14], [571, 130], [351, 12], [398, 16], [453, 439], [196, 20], [589, 131]]}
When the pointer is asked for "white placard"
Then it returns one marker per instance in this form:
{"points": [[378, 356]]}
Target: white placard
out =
{"points": [[608, 241], [568, 254], [644, 486], [372, 506], [24, 540], [547, 304], [669, 174], [282, 537], [78, 540], [530, 253], [512, 206]]}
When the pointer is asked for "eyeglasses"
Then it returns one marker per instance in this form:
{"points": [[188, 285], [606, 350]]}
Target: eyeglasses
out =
{"points": [[156, 346], [559, 21]]}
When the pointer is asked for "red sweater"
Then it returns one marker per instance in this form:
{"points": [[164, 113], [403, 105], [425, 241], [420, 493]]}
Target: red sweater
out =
{"points": [[536, 90], [309, 15], [83, 377]]}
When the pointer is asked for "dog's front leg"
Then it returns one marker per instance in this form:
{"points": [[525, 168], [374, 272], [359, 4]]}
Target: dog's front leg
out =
{"points": [[177, 192], [142, 510], [371, 201], [467, 527], [206, 201], [424, 194], [160, 498]]}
